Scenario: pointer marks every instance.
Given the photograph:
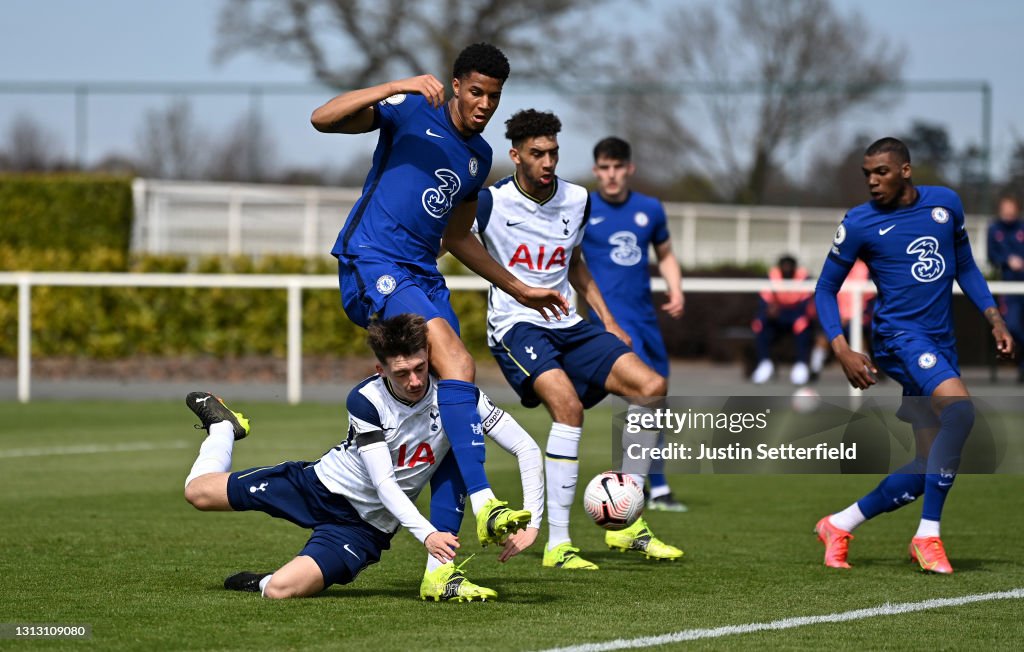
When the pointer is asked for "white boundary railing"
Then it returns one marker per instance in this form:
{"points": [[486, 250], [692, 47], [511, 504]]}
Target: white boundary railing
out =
{"points": [[296, 283], [194, 218]]}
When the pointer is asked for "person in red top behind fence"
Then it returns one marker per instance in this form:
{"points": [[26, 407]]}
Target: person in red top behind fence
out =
{"points": [[783, 311]]}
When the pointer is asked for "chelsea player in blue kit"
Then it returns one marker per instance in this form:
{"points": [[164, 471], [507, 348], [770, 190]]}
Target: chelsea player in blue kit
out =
{"points": [[429, 164], [622, 227], [914, 242]]}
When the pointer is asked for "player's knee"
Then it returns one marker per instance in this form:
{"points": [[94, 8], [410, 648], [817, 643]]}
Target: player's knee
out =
{"points": [[285, 588], [197, 496], [567, 410], [274, 592], [654, 385], [958, 416]]}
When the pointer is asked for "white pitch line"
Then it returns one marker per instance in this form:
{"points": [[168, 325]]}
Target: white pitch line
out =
{"points": [[790, 623], [91, 449]]}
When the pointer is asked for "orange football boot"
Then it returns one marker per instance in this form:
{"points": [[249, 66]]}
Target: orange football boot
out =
{"points": [[930, 554], [837, 543]]}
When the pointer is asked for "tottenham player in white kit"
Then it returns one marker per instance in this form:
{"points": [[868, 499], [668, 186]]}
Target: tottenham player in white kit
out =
{"points": [[358, 493], [532, 224]]}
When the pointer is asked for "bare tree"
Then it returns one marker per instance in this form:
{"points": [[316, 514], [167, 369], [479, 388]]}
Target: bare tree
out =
{"points": [[170, 144], [767, 74], [30, 147], [349, 43], [247, 152]]}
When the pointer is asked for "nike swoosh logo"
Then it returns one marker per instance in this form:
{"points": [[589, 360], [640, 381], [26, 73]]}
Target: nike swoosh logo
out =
{"points": [[568, 486], [511, 223], [477, 443], [433, 135], [886, 230], [596, 220], [461, 510], [945, 484], [351, 552]]}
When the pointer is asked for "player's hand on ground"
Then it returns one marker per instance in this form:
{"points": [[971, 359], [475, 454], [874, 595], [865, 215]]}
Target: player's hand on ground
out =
{"points": [[442, 546], [426, 85], [518, 542], [615, 330], [675, 305], [545, 301], [1004, 341], [859, 369]]}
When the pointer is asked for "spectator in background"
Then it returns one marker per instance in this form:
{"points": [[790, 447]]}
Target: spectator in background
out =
{"points": [[783, 311], [1006, 254]]}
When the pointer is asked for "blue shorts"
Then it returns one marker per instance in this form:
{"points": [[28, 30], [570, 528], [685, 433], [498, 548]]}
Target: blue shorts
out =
{"points": [[342, 544], [648, 343], [585, 352], [919, 364], [371, 287]]}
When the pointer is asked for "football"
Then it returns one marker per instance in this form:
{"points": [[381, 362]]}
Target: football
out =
{"points": [[614, 500], [805, 400]]}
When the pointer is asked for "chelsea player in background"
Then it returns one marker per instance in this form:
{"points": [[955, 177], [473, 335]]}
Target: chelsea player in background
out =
{"points": [[429, 165], [914, 241], [623, 225]]}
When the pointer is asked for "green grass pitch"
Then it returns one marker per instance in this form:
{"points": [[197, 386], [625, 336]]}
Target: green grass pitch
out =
{"points": [[107, 539]]}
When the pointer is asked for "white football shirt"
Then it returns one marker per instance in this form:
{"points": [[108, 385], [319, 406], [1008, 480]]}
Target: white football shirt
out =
{"points": [[414, 435], [534, 240]]}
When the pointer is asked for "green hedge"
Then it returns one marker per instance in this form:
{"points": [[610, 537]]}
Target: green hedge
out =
{"points": [[65, 212], [111, 323]]}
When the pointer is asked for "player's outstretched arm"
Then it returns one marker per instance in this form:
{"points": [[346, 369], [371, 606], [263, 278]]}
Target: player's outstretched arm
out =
{"points": [[377, 459], [859, 369], [582, 281], [352, 112], [464, 245], [508, 434], [668, 265]]}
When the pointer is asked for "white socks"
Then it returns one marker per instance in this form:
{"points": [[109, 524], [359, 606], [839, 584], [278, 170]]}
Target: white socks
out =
{"points": [[561, 466], [433, 564], [659, 491], [478, 499], [263, 584], [851, 517], [634, 437], [848, 519], [215, 451], [927, 529]]}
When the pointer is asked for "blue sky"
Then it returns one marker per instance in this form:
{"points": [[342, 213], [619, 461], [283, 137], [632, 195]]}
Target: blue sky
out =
{"points": [[126, 40]]}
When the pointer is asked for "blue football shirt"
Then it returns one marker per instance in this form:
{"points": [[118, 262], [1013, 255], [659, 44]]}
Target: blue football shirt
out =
{"points": [[913, 253], [616, 247], [422, 167]]}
